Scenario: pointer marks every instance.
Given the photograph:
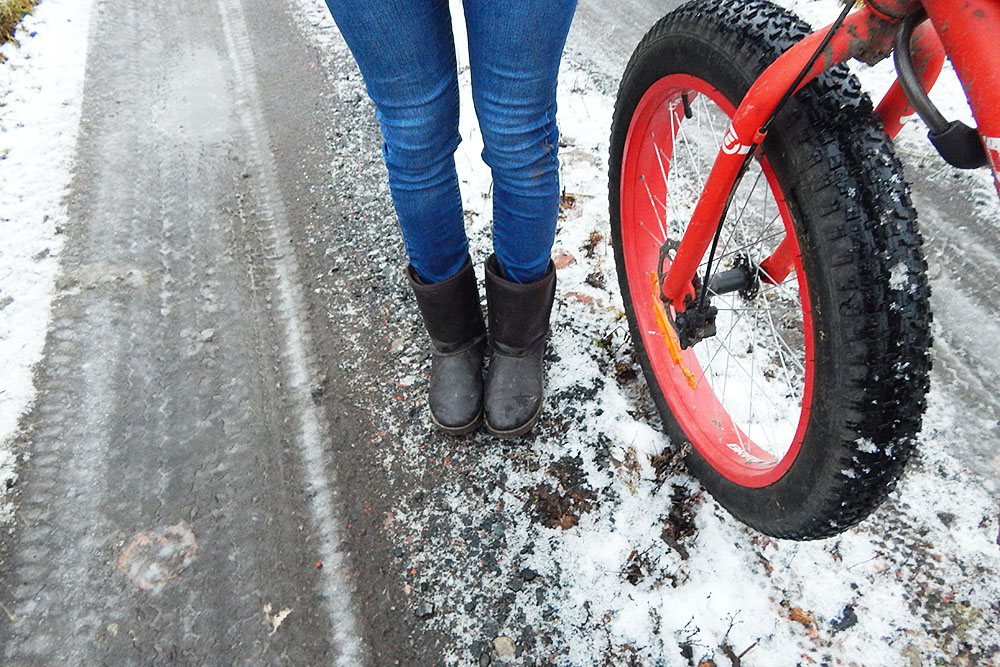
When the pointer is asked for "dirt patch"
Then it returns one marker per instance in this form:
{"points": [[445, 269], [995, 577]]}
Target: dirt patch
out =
{"points": [[560, 505], [678, 524]]}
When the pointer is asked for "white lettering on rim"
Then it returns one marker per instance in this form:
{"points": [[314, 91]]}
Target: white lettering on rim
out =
{"points": [[744, 453]]}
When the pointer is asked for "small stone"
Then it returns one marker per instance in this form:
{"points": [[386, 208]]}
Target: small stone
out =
{"points": [[848, 619], [504, 647], [424, 610], [515, 584], [582, 298], [206, 336], [596, 279], [528, 574]]}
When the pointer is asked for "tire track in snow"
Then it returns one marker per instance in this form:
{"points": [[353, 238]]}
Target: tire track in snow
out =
{"points": [[150, 430], [312, 427]]}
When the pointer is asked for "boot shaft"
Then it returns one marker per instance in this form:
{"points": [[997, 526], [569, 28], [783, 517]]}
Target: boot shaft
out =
{"points": [[518, 313], [450, 310]]}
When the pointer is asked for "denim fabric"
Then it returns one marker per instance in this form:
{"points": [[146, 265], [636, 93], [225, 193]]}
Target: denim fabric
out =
{"points": [[406, 52]]}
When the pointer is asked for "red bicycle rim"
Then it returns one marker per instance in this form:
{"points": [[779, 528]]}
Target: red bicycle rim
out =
{"points": [[751, 451]]}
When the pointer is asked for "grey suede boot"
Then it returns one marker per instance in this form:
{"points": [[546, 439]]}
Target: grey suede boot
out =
{"points": [[453, 318], [519, 323]]}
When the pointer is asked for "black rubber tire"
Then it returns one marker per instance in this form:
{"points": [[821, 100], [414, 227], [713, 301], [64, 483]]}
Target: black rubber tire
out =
{"points": [[855, 225]]}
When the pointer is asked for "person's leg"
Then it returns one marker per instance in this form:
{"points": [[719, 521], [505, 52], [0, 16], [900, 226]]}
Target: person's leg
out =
{"points": [[515, 47], [406, 53]]}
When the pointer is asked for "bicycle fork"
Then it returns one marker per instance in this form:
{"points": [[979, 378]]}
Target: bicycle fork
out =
{"points": [[967, 33]]}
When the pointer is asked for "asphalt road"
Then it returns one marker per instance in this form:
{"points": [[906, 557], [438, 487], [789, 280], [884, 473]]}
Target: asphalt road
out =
{"points": [[213, 476], [184, 490]]}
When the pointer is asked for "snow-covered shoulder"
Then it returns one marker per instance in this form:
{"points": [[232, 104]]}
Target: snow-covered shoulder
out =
{"points": [[41, 87]]}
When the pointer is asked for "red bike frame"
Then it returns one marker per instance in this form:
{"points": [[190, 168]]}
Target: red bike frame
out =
{"points": [[967, 31]]}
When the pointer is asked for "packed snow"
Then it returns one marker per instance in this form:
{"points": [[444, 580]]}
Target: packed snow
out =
{"points": [[41, 89]]}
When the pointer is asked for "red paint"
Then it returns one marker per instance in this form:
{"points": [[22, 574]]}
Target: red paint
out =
{"points": [[968, 32], [928, 59], [779, 265], [698, 411], [862, 33]]}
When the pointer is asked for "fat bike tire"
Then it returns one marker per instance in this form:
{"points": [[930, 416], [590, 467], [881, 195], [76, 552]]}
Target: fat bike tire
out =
{"points": [[800, 414]]}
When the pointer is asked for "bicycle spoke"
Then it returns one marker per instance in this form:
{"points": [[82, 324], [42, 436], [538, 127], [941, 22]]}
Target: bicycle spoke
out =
{"points": [[652, 202], [744, 247], [687, 145], [658, 242], [754, 365], [762, 419]]}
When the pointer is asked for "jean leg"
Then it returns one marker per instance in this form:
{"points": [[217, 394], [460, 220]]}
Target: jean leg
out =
{"points": [[515, 47], [406, 53]]}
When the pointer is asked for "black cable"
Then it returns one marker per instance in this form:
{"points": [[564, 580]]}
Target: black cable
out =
{"points": [[805, 70], [908, 77], [763, 130]]}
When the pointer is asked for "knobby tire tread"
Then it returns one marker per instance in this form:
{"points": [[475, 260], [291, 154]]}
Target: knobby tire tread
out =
{"points": [[860, 229]]}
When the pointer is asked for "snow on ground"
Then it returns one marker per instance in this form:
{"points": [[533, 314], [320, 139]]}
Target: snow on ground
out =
{"points": [[640, 565], [41, 88]]}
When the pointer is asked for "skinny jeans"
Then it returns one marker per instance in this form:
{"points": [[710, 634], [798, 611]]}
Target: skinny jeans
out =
{"points": [[406, 52]]}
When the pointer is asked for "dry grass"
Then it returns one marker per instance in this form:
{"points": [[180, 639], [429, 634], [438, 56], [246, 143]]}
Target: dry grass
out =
{"points": [[11, 12]]}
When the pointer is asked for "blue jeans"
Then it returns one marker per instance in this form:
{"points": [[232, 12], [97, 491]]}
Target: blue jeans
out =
{"points": [[406, 52]]}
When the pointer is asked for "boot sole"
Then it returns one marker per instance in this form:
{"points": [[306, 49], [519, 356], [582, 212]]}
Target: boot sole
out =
{"points": [[518, 431], [458, 430]]}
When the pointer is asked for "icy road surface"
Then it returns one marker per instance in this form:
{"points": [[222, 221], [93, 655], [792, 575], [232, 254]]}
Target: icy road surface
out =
{"points": [[228, 458]]}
